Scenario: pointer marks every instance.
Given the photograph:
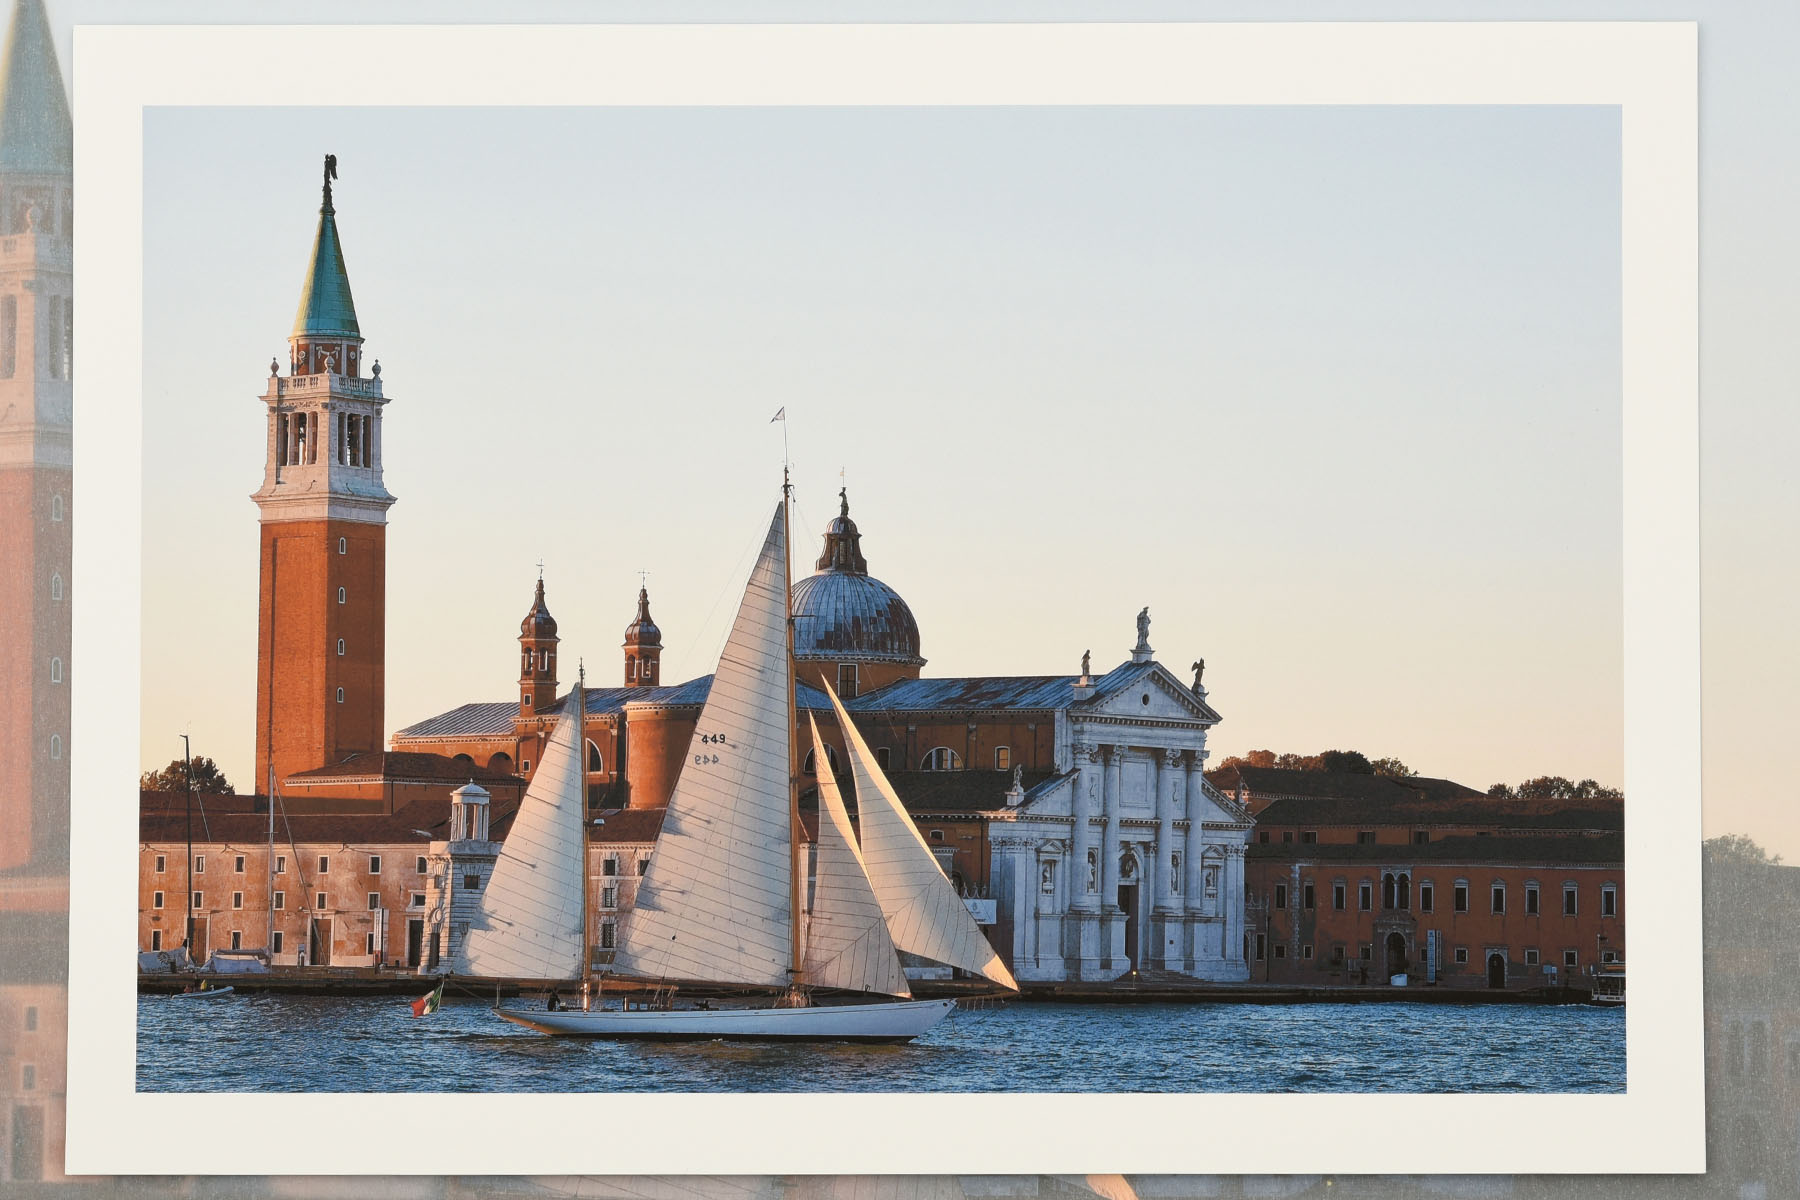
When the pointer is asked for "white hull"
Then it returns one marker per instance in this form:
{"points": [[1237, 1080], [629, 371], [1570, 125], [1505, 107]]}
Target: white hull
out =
{"points": [[206, 994], [895, 1021]]}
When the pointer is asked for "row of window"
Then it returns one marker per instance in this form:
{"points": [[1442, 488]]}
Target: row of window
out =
{"points": [[1460, 954], [162, 864], [276, 945], [415, 901], [1396, 893], [943, 758], [1364, 837]]}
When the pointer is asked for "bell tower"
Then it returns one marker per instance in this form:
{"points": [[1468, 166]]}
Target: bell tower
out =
{"points": [[537, 656], [643, 646], [323, 512], [37, 344]]}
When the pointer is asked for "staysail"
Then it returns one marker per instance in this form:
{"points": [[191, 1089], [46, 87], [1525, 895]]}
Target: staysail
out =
{"points": [[529, 921], [924, 914], [717, 901], [847, 940]]}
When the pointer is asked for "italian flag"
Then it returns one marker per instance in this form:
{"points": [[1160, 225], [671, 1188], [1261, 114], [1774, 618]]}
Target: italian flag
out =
{"points": [[429, 1004]]}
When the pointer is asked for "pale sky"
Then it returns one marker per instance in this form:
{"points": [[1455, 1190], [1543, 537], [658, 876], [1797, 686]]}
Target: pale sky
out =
{"points": [[1750, 302], [1334, 391]]}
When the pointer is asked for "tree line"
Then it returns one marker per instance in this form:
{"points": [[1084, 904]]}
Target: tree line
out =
{"points": [[1355, 762]]}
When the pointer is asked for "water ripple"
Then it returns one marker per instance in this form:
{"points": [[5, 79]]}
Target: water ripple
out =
{"points": [[375, 1044]]}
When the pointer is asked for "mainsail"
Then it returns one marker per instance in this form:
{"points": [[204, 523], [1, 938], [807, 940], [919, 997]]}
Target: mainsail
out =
{"points": [[529, 922], [717, 901], [924, 914], [847, 941]]}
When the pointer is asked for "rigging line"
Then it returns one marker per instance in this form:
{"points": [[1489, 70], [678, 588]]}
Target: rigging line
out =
{"points": [[706, 622]]}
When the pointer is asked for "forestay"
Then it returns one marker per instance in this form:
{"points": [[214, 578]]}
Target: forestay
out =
{"points": [[717, 901], [528, 924], [924, 914], [847, 941]]}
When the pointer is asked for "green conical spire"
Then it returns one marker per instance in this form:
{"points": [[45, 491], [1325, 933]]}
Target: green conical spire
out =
{"points": [[35, 135], [326, 309]]}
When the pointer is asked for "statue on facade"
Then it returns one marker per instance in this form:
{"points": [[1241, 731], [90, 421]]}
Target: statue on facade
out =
{"points": [[1199, 672], [1143, 619], [1086, 655], [1018, 771]]}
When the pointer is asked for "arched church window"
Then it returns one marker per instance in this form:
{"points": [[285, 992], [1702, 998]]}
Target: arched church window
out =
{"points": [[56, 507], [343, 545], [55, 746], [340, 647], [594, 761], [811, 765], [342, 595], [56, 670], [942, 758], [56, 586]]}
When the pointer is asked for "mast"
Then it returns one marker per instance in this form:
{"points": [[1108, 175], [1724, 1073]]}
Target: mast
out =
{"points": [[587, 898], [787, 588], [187, 758]]}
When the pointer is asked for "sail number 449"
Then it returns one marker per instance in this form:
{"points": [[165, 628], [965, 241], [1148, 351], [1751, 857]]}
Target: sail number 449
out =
{"points": [[709, 739]]}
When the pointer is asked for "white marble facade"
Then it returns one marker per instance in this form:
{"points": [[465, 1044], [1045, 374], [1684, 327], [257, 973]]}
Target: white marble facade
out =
{"points": [[1127, 859]]}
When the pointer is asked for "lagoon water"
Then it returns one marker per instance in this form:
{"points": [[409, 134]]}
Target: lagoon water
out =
{"points": [[261, 1043]]}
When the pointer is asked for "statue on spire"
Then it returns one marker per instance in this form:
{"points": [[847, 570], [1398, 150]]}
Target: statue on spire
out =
{"points": [[843, 502], [1141, 652], [330, 174]]}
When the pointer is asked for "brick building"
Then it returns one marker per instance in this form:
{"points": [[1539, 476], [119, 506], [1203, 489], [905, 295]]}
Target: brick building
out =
{"points": [[1355, 878]]}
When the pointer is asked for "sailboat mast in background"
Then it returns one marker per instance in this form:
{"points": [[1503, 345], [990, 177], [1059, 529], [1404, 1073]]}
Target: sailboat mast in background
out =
{"points": [[787, 590]]}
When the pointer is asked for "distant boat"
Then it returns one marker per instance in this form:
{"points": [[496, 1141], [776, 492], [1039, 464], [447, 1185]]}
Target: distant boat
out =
{"points": [[1609, 986], [722, 900], [203, 993]]}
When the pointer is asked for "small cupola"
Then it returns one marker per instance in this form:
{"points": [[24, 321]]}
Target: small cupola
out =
{"points": [[643, 646], [469, 813], [537, 655]]}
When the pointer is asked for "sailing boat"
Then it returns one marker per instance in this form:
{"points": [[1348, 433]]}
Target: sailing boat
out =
{"points": [[722, 902]]}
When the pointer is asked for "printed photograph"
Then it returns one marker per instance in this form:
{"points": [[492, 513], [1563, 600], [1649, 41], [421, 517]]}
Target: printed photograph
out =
{"points": [[1333, 395], [812, 599]]}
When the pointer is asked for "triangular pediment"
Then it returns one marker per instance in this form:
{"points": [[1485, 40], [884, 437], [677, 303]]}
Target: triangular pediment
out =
{"points": [[1148, 693]]}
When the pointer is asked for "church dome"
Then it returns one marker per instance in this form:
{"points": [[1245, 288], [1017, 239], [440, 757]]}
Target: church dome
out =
{"points": [[841, 612], [538, 623]]}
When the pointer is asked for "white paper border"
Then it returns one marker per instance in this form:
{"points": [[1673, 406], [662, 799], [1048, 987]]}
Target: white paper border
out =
{"points": [[1648, 69]]}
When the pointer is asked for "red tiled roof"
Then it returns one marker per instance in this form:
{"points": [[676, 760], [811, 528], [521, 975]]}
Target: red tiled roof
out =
{"points": [[407, 765], [162, 818]]}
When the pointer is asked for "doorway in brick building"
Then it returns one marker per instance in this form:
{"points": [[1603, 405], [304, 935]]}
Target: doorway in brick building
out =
{"points": [[415, 941], [1397, 963], [318, 947], [198, 948], [1128, 904], [1496, 965]]}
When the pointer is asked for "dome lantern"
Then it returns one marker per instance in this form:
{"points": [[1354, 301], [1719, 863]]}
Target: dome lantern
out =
{"points": [[851, 629]]}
